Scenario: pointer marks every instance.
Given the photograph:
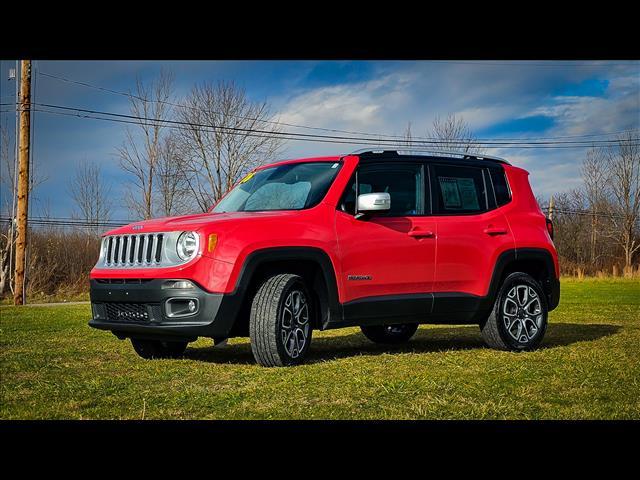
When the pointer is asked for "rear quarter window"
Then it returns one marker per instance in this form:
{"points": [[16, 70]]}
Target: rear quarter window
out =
{"points": [[500, 186]]}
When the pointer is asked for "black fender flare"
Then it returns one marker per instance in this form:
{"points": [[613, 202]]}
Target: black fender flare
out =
{"points": [[274, 254], [551, 287]]}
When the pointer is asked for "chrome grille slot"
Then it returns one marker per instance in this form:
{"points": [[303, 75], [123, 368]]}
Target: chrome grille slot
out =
{"points": [[116, 250], [109, 247], [147, 250], [158, 249], [123, 250], [132, 244]]}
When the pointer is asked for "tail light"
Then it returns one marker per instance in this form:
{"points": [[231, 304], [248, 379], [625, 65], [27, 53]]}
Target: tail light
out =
{"points": [[550, 228]]}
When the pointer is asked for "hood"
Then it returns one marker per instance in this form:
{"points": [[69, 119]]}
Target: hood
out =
{"points": [[196, 221]]}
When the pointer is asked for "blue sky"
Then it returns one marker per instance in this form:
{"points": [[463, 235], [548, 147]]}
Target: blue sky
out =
{"points": [[497, 99]]}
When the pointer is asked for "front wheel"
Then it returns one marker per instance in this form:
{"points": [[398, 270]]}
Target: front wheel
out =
{"points": [[390, 334], [158, 349], [280, 323], [518, 320]]}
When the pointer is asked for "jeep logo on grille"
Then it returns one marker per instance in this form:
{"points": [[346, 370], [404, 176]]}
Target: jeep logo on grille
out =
{"points": [[137, 227]]}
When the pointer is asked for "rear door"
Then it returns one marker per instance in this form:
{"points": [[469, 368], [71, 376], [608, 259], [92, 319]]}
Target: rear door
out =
{"points": [[472, 232]]}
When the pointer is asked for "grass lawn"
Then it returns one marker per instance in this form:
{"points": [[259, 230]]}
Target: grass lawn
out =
{"points": [[52, 365]]}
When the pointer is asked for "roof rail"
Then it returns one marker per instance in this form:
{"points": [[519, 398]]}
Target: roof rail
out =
{"points": [[427, 152]]}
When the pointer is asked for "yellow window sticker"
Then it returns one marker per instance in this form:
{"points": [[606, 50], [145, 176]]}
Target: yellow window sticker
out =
{"points": [[248, 177]]}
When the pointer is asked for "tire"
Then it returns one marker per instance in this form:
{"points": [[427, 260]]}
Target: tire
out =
{"points": [[280, 322], [390, 334], [518, 320], [158, 349]]}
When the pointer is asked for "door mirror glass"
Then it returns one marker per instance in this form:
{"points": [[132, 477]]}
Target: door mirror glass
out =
{"points": [[374, 202]]}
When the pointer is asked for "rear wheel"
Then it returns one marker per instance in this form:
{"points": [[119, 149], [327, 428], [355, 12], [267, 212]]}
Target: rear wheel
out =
{"points": [[518, 320], [280, 321], [158, 349], [390, 334]]}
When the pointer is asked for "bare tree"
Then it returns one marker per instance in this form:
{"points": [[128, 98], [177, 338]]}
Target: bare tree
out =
{"points": [[7, 236], [455, 134], [171, 184], [408, 136], [8, 182], [140, 152], [91, 193], [7, 166], [7, 170], [623, 165], [594, 177], [219, 144]]}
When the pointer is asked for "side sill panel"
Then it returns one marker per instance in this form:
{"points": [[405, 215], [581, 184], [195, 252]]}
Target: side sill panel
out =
{"points": [[437, 308]]}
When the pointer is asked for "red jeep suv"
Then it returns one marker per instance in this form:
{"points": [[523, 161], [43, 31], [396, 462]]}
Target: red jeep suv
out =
{"points": [[385, 240]]}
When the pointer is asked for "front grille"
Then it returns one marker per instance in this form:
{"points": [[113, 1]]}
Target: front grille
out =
{"points": [[133, 250], [127, 312]]}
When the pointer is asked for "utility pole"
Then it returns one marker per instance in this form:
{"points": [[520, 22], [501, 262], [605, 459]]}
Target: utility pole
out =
{"points": [[23, 181]]}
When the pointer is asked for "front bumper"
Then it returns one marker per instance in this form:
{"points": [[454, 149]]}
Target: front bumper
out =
{"points": [[141, 308]]}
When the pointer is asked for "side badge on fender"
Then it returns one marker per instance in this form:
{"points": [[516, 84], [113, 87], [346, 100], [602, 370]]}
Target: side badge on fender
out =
{"points": [[359, 277]]}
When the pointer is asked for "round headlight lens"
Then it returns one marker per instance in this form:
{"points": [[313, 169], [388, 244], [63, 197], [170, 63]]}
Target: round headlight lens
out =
{"points": [[187, 245]]}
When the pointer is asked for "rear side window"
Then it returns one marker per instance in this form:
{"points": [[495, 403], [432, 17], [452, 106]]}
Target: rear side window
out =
{"points": [[458, 190], [500, 187]]}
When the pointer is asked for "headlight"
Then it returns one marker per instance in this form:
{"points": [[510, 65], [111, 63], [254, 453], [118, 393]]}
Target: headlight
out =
{"points": [[187, 245]]}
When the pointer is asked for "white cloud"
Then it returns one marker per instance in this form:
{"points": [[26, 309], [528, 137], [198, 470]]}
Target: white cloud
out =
{"points": [[361, 106], [484, 96]]}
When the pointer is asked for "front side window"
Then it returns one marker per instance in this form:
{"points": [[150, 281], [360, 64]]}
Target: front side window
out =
{"points": [[293, 186], [402, 182], [458, 190]]}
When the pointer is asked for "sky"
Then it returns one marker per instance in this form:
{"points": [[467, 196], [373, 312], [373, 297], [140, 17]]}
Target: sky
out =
{"points": [[498, 99]]}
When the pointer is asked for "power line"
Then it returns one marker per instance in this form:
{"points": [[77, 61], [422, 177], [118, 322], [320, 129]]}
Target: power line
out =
{"points": [[125, 118], [528, 64], [372, 143], [401, 137], [581, 212], [69, 222]]}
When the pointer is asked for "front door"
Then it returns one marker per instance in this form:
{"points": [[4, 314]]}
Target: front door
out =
{"points": [[388, 259]]}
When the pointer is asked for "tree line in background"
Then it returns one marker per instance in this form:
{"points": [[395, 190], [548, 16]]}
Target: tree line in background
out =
{"points": [[178, 170], [597, 225]]}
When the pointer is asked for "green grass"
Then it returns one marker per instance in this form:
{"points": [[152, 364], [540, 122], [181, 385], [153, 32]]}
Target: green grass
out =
{"points": [[53, 365]]}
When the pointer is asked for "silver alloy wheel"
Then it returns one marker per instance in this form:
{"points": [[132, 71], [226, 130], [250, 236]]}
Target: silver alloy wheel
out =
{"points": [[295, 323], [522, 313]]}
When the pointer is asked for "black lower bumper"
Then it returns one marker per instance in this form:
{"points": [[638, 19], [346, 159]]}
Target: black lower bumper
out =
{"points": [[553, 297], [144, 309]]}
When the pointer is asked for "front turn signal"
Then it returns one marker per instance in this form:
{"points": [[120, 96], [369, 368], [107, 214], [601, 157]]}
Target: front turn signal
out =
{"points": [[213, 241]]}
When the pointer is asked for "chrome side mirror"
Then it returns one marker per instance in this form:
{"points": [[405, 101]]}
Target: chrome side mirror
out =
{"points": [[374, 202]]}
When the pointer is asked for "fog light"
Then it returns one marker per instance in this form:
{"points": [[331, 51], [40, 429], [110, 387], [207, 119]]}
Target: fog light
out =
{"points": [[181, 307]]}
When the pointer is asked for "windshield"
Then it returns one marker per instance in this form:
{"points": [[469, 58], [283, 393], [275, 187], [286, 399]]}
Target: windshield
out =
{"points": [[293, 186]]}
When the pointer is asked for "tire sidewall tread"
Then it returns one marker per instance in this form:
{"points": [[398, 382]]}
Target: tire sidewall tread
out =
{"points": [[264, 321]]}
